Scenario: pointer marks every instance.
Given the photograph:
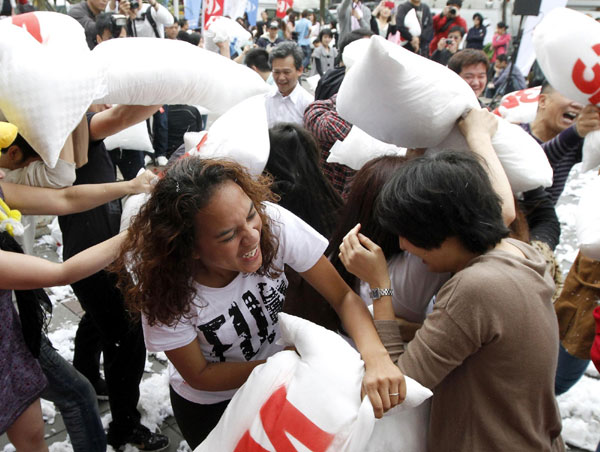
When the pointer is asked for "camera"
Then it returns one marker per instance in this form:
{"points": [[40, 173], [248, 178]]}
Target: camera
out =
{"points": [[448, 41], [452, 11], [134, 4]]}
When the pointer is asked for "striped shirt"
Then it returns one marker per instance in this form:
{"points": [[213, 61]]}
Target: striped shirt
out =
{"points": [[563, 151]]}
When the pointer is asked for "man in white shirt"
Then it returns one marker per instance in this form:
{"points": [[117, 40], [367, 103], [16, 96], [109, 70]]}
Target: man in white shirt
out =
{"points": [[288, 100]]}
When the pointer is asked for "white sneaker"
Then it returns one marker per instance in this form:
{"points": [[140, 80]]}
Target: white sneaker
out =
{"points": [[147, 160], [161, 161]]}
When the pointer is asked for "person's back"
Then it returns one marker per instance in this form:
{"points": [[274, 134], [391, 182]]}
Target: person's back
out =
{"points": [[501, 315]]}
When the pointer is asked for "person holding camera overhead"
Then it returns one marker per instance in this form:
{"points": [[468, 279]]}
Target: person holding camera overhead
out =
{"points": [[144, 20], [444, 21]]}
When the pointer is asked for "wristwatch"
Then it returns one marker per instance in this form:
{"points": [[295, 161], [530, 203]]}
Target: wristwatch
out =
{"points": [[377, 293]]}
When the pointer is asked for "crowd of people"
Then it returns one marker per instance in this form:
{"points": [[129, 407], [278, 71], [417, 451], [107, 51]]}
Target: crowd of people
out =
{"points": [[216, 253]]}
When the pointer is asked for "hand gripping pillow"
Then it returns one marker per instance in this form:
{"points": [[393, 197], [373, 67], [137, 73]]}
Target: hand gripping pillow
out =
{"points": [[588, 221], [567, 47], [307, 402], [402, 98], [135, 137], [47, 79], [523, 159], [149, 71], [241, 134], [358, 148], [519, 106]]}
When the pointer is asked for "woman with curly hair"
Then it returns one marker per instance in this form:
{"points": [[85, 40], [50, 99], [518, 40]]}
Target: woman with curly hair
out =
{"points": [[206, 255]]}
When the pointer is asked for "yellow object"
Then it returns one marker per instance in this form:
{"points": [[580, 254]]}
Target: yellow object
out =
{"points": [[8, 133], [9, 218]]}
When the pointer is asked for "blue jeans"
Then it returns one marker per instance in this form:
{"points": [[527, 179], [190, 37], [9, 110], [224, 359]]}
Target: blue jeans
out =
{"points": [[75, 398], [569, 370], [307, 52]]}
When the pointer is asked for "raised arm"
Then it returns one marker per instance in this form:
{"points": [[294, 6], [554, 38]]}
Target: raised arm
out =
{"points": [[78, 198], [23, 272], [120, 117], [478, 127]]}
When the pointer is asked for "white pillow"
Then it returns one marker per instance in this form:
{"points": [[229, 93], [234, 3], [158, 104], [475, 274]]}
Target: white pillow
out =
{"points": [[519, 106], [241, 134], [402, 98], [412, 22], [567, 49], [312, 399], [588, 221], [46, 87], [358, 148], [223, 29], [150, 71], [591, 151], [135, 137], [523, 159], [131, 206]]}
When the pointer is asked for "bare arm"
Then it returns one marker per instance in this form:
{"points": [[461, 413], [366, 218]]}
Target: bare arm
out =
{"points": [[201, 375], [478, 127], [120, 117], [23, 272], [382, 377], [78, 198]]}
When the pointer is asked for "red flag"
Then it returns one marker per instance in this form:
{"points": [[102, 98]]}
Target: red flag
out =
{"points": [[212, 8], [282, 7]]}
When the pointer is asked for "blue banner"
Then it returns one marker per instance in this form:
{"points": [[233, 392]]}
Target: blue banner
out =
{"points": [[191, 12], [252, 11]]}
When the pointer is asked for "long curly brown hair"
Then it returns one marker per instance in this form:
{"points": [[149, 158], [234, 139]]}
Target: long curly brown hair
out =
{"points": [[155, 265]]}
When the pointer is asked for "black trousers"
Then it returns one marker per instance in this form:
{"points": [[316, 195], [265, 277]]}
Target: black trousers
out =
{"points": [[108, 326], [194, 420]]}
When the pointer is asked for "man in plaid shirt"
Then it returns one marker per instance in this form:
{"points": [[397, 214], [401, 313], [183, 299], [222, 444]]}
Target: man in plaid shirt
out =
{"points": [[323, 121]]}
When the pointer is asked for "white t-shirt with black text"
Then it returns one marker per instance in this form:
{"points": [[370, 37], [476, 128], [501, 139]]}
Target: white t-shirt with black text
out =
{"points": [[238, 322]]}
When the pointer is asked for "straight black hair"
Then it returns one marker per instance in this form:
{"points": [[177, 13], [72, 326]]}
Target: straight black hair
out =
{"points": [[448, 194]]}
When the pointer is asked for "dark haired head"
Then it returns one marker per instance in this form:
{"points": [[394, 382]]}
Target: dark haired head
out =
{"points": [[284, 50], [298, 179], [193, 38], [26, 149], [502, 25], [503, 58], [325, 32], [305, 13], [457, 28], [454, 3], [467, 57], [478, 16], [259, 58], [433, 198], [360, 208], [158, 251]]}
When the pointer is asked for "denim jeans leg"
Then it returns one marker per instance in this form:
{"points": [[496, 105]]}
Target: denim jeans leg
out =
{"points": [[569, 370], [75, 398]]}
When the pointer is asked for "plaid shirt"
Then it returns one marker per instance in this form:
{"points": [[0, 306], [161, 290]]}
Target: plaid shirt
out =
{"points": [[323, 121]]}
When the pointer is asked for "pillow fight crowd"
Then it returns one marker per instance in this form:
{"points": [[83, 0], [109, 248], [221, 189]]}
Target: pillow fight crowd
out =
{"points": [[216, 252]]}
